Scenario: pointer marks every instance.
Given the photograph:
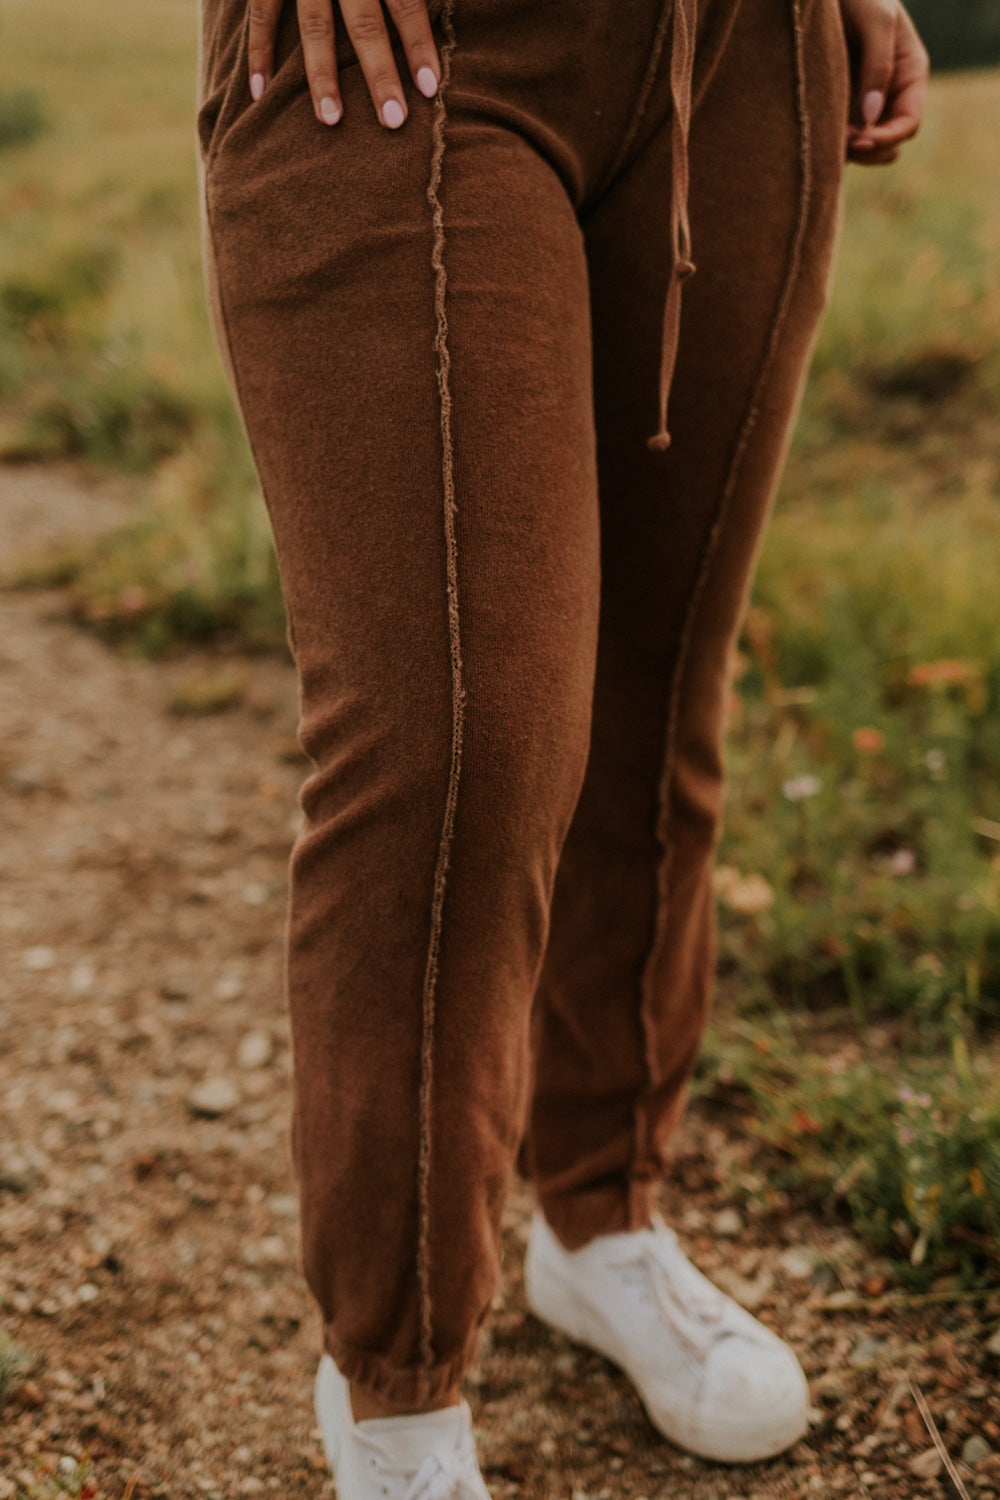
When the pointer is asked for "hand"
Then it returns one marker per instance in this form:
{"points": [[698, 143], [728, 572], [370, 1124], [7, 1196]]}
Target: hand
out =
{"points": [[366, 27], [889, 71]]}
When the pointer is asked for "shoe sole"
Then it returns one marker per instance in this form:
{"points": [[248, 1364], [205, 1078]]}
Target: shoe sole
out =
{"points": [[737, 1443]]}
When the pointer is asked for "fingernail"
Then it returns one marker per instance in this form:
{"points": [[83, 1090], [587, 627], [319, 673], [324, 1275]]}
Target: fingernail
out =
{"points": [[426, 82], [392, 114], [256, 86], [872, 106], [330, 110]]}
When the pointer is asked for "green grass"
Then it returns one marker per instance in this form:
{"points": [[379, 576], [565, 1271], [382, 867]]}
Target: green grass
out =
{"points": [[13, 1362], [909, 1152], [860, 882], [881, 565]]}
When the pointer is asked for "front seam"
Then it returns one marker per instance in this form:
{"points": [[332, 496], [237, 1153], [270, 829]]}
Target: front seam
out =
{"points": [[457, 698], [661, 831], [645, 89]]}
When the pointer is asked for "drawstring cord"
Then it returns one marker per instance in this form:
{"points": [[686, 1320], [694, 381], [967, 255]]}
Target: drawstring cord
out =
{"points": [[685, 20]]}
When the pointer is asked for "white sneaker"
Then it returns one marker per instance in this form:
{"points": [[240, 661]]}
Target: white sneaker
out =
{"points": [[425, 1457], [713, 1379]]}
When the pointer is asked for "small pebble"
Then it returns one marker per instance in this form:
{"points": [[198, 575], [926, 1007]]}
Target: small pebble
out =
{"points": [[256, 1049], [23, 779], [213, 1097], [796, 1263], [81, 978], [61, 1101], [926, 1465], [283, 1205], [974, 1450], [865, 1349], [727, 1222], [175, 989], [229, 987], [267, 1251], [749, 1293], [39, 958], [16, 1174]]}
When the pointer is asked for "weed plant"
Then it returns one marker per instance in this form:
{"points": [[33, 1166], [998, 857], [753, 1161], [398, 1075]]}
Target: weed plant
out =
{"points": [[911, 1154]]}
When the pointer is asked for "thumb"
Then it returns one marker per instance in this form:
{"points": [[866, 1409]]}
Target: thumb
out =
{"points": [[877, 39]]}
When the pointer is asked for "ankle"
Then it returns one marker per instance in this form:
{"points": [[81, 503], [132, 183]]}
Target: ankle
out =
{"points": [[367, 1406]]}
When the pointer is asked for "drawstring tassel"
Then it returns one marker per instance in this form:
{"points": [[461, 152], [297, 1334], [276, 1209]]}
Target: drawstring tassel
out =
{"points": [[682, 266], [660, 441]]}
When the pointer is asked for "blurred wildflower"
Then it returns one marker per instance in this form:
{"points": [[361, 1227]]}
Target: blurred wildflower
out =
{"points": [[747, 895], [935, 762], [798, 787], [952, 672], [868, 740], [946, 672]]}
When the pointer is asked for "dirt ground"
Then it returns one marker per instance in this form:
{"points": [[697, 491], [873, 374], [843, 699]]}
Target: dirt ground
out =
{"points": [[149, 1256]]}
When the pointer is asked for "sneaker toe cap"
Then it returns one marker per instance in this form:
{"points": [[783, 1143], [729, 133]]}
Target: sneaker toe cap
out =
{"points": [[755, 1397]]}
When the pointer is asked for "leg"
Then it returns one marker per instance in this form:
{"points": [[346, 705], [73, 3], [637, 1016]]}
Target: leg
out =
{"points": [[418, 397], [626, 984]]}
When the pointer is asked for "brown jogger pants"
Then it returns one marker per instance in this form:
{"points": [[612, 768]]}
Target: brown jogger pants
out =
{"points": [[512, 617]]}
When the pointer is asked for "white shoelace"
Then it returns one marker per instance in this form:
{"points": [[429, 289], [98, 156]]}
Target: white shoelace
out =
{"points": [[441, 1476], [444, 1478], [693, 1307]]}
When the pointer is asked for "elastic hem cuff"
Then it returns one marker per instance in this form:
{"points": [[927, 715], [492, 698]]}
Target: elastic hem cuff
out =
{"points": [[413, 1387], [577, 1218]]}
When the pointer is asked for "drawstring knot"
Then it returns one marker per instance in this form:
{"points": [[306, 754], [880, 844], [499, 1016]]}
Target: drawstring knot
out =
{"points": [[685, 20]]}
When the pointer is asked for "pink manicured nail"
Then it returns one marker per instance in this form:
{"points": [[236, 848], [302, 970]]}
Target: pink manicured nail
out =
{"points": [[426, 82], [392, 114], [872, 106], [330, 110], [257, 86]]}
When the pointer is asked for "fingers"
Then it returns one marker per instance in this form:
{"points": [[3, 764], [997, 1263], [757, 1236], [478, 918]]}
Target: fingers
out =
{"points": [[366, 26], [890, 103], [365, 21], [316, 33], [413, 24], [908, 95], [878, 56], [316, 30], [873, 157], [262, 30]]}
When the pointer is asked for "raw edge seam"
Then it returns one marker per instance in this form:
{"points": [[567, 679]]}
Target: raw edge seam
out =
{"points": [[457, 694]]}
